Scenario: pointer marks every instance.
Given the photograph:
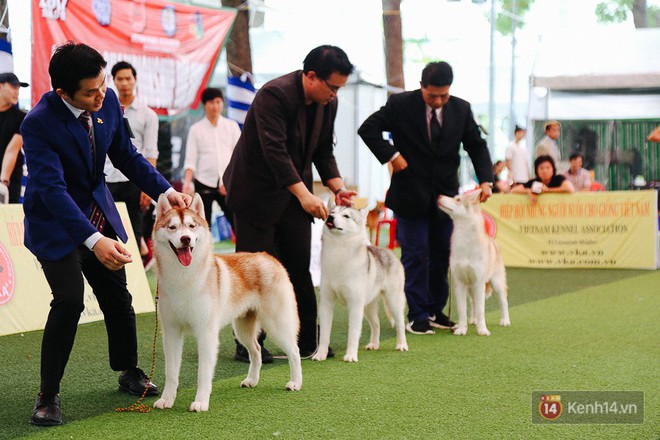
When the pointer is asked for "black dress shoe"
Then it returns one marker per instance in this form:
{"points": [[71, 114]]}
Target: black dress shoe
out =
{"points": [[242, 355], [47, 411], [134, 381]]}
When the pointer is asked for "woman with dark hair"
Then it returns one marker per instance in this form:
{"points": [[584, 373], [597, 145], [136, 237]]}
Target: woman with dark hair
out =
{"points": [[547, 180]]}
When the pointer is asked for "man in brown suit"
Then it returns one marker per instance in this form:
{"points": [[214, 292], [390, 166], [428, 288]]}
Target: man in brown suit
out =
{"points": [[289, 126]]}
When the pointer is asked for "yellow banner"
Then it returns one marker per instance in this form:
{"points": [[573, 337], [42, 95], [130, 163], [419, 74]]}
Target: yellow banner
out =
{"points": [[24, 293], [610, 229]]}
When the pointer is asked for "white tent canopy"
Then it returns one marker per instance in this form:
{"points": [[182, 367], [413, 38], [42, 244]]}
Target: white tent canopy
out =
{"points": [[602, 76]]}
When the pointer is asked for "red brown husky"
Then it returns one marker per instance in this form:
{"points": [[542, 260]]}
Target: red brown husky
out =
{"points": [[201, 293]]}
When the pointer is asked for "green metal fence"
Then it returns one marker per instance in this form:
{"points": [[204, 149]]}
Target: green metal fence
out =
{"points": [[617, 151]]}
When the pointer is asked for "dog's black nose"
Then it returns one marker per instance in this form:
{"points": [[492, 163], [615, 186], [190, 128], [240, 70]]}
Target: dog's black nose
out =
{"points": [[185, 240]]}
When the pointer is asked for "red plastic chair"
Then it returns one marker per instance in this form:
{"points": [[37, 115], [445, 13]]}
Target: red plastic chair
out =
{"points": [[597, 186], [391, 222]]}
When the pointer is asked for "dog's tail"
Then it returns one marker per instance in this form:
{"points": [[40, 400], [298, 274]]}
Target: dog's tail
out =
{"points": [[489, 289], [388, 314]]}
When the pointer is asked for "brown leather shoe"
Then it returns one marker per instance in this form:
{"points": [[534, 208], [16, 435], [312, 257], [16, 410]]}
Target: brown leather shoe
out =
{"points": [[47, 411]]}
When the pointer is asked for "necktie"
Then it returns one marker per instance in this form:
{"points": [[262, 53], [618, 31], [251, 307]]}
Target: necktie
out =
{"points": [[97, 218], [85, 119], [435, 128]]}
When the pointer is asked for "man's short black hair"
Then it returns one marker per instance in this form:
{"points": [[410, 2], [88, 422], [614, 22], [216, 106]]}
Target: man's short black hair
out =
{"points": [[437, 74], [121, 65], [517, 129], [210, 94], [575, 155], [326, 60], [72, 62]]}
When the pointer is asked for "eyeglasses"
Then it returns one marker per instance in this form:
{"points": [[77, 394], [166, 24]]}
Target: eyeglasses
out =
{"points": [[333, 89]]}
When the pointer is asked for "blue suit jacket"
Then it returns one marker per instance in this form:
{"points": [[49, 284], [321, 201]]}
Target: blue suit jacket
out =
{"points": [[60, 185]]}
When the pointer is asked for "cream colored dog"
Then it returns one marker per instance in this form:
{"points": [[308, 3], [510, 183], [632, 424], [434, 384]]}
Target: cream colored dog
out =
{"points": [[358, 275], [202, 293], [475, 262]]}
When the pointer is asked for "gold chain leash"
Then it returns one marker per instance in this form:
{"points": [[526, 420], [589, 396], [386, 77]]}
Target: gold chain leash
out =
{"points": [[138, 406]]}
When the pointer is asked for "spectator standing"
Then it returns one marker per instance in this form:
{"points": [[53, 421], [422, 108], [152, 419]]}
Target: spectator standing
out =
{"points": [[143, 122], [578, 176], [428, 126], [11, 141], [517, 157], [289, 127], [71, 222], [548, 145], [209, 147]]}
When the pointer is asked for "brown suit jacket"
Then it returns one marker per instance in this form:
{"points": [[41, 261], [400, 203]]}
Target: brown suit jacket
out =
{"points": [[273, 152]]}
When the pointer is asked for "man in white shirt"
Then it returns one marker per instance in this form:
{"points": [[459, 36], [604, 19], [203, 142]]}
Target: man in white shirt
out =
{"points": [[517, 157], [143, 122], [578, 176], [209, 147]]}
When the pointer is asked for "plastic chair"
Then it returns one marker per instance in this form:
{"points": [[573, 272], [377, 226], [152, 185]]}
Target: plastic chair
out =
{"points": [[391, 222], [597, 186]]}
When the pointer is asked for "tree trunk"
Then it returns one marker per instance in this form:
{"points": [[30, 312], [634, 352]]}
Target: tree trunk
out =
{"points": [[239, 54], [393, 43], [5, 22], [639, 14]]}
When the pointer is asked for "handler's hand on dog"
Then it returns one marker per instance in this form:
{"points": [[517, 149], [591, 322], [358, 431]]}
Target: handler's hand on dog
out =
{"points": [[343, 197], [111, 253], [486, 192], [179, 199]]}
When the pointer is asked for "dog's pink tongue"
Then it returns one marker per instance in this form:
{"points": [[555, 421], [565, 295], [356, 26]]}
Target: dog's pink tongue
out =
{"points": [[185, 256]]}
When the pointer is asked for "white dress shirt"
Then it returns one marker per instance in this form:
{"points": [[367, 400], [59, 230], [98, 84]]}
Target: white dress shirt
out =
{"points": [[144, 124], [209, 148]]}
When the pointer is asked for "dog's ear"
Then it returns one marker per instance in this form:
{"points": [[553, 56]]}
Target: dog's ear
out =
{"points": [[474, 196], [198, 206], [163, 206], [331, 202]]}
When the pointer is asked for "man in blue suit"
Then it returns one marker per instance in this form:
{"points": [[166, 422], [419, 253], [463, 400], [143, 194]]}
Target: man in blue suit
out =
{"points": [[71, 222]]}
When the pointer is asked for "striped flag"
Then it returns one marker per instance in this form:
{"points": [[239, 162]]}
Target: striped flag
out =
{"points": [[240, 93]]}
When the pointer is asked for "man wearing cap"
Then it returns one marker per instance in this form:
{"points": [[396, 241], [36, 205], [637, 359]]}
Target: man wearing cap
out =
{"points": [[11, 141]]}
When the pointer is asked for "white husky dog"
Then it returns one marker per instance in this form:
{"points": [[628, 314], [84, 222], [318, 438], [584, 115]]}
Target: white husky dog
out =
{"points": [[357, 274], [475, 261], [201, 292]]}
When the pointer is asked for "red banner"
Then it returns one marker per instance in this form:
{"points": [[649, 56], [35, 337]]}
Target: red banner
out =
{"points": [[173, 47]]}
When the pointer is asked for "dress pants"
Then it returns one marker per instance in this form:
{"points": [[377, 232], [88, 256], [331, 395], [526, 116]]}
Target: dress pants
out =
{"points": [[425, 244], [289, 240], [65, 278], [208, 194]]}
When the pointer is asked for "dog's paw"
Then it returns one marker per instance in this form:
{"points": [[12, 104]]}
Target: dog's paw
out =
{"points": [[199, 406], [460, 331], [163, 403], [350, 357], [483, 331], [249, 383], [505, 322], [292, 386], [320, 355], [372, 346], [401, 347]]}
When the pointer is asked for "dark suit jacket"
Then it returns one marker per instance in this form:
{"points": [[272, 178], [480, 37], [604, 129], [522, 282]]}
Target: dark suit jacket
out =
{"points": [[432, 170], [60, 184], [273, 152]]}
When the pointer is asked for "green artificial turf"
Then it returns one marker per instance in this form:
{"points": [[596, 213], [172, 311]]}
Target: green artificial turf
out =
{"points": [[571, 330]]}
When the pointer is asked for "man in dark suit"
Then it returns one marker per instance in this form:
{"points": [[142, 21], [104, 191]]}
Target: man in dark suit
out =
{"points": [[428, 127], [289, 126], [71, 222]]}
